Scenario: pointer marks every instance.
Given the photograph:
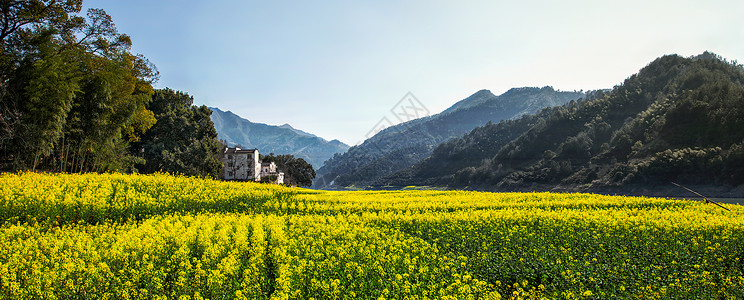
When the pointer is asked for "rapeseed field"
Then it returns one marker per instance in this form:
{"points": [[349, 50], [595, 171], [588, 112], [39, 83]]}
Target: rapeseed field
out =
{"points": [[117, 236]]}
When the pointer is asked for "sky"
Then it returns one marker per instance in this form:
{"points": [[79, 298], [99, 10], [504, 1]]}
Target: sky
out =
{"points": [[336, 68]]}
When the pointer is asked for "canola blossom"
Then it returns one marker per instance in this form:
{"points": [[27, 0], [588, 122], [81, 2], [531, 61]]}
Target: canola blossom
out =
{"points": [[116, 236]]}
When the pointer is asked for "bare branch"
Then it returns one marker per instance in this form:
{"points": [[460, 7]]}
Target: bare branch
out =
{"points": [[704, 198]]}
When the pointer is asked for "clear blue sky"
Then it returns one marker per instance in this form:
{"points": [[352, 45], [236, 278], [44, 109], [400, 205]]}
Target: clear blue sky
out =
{"points": [[335, 68]]}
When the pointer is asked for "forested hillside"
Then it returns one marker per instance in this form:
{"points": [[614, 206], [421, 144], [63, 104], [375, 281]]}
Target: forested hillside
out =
{"points": [[400, 146], [678, 119]]}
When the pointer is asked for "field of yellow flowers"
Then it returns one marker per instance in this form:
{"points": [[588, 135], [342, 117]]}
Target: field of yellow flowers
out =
{"points": [[116, 236]]}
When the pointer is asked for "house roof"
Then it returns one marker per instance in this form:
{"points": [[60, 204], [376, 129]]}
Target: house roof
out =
{"points": [[239, 151]]}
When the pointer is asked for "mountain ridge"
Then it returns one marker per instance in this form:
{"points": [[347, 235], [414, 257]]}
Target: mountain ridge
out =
{"points": [[283, 139], [402, 145], [676, 120]]}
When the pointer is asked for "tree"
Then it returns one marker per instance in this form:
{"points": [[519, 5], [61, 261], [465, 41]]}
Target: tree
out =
{"points": [[71, 94], [41, 89], [17, 15], [297, 171], [183, 140]]}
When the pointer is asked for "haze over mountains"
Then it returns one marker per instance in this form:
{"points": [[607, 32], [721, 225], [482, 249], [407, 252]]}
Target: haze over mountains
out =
{"points": [[677, 120], [402, 145], [282, 139]]}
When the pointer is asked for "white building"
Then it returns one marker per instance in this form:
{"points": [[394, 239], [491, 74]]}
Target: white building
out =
{"points": [[241, 164], [269, 169]]}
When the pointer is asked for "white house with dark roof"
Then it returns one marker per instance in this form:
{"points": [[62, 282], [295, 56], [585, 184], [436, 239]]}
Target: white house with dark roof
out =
{"points": [[241, 164]]}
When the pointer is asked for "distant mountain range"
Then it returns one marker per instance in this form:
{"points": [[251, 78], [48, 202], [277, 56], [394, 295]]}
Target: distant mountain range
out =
{"points": [[400, 146], [283, 139], [677, 120]]}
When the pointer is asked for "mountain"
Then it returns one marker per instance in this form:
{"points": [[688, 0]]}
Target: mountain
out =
{"points": [[677, 120], [400, 146], [282, 139], [300, 132]]}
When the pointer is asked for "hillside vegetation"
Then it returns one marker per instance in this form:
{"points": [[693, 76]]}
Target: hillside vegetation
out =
{"points": [[155, 236], [679, 119], [402, 145]]}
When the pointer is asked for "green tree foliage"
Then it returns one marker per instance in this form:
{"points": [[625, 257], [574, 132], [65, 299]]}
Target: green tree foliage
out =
{"points": [[183, 140], [678, 119], [297, 171], [72, 95]]}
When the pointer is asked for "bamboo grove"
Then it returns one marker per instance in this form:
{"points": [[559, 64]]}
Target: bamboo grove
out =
{"points": [[75, 98], [117, 236]]}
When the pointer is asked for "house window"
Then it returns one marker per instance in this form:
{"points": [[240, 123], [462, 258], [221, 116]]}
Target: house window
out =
{"points": [[230, 174], [229, 165], [229, 157]]}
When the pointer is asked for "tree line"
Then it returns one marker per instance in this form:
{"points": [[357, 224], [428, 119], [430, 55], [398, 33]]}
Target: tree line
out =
{"points": [[74, 98]]}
